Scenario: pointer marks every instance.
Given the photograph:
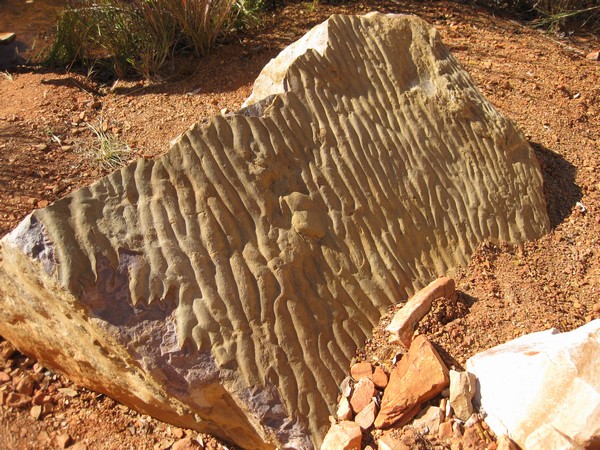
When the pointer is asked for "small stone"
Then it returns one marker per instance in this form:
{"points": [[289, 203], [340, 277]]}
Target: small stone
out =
{"points": [[471, 421], [177, 432], [594, 56], [6, 350], [164, 444], [471, 438], [429, 418], [388, 442], [35, 412], [457, 430], [346, 386], [15, 400], [361, 370], [419, 376], [78, 446], [504, 443], [344, 411], [345, 435], [185, 444], [380, 378], [7, 38], [25, 385], [462, 390], [403, 324], [445, 430], [4, 377], [364, 391], [43, 203], [63, 440], [68, 392], [366, 417], [47, 408]]}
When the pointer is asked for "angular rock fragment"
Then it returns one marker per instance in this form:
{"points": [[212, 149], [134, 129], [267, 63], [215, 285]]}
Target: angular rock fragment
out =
{"points": [[380, 378], [343, 436], [362, 395], [419, 376], [543, 389], [366, 417], [226, 285], [429, 419], [462, 390], [361, 370], [405, 320], [344, 410]]}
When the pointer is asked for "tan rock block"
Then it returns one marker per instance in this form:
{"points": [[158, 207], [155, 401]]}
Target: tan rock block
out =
{"points": [[361, 370], [419, 376], [462, 390], [405, 320], [343, 436], [364, 391]]}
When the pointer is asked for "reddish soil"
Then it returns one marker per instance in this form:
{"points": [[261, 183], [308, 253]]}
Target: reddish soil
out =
{"points": [[544, 84]]}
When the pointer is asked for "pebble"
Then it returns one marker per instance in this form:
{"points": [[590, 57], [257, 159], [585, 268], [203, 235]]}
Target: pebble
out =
{"points": [[36, 412], [63, 440], [6, 38], [445, 430]]}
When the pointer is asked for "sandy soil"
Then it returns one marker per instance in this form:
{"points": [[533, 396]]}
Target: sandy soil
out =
{"points": [[543, 83]]}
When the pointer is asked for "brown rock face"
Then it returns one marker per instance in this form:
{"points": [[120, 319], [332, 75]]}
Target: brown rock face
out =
{"points": [[419, 376], [226, 285]]}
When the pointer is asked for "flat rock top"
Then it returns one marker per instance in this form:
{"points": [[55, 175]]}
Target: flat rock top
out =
{"points": [[273, 242]]}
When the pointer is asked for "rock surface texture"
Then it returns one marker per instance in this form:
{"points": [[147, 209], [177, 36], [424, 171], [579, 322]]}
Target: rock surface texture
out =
{"points": [[543, 389], [226, 285]]}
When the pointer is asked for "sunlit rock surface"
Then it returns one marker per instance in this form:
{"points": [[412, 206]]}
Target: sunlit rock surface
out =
{"points": [[226, 285]]}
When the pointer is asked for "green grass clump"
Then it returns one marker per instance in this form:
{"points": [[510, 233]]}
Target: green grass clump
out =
{"points": [[109, 150], [140, 37]]}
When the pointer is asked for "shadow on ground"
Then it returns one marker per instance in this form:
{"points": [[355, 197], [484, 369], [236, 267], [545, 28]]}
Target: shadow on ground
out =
{"points": [[560, 189]]}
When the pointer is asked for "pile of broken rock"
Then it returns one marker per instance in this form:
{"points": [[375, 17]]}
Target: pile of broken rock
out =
{"points": [[421, 403]]}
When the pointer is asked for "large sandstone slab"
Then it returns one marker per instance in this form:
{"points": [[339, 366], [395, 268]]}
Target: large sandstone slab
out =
{"points": [[226, 285], [543, 389]]}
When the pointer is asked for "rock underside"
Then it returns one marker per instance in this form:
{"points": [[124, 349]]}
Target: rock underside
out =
{"points": [[226, 285]]}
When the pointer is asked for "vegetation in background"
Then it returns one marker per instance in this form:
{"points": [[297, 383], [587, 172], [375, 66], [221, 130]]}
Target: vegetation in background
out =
{"points": [[553, 14], [140, 37], [109, 150]]}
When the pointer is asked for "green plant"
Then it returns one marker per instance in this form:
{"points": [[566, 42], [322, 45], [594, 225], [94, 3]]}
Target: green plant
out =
{"points": [[109, 150], [140, 36], [555, 13]]}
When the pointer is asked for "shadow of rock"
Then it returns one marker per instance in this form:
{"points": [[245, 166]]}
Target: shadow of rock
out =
{"points": [[560, 189]]}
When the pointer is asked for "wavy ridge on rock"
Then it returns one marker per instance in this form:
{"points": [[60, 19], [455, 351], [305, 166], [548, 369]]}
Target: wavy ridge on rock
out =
{"points": [[239, 272]]}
